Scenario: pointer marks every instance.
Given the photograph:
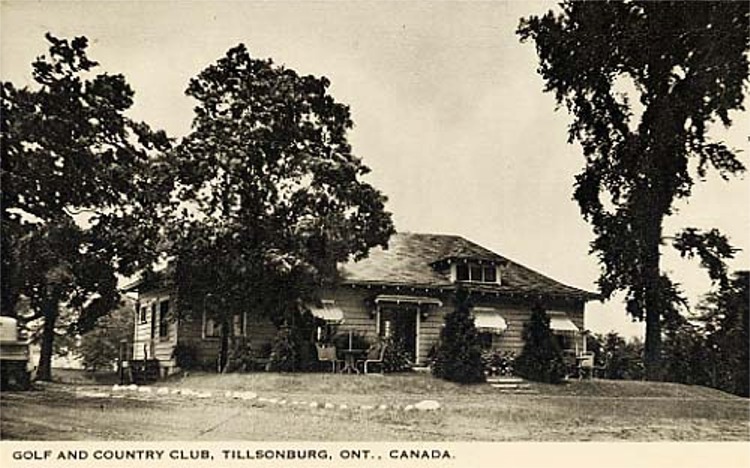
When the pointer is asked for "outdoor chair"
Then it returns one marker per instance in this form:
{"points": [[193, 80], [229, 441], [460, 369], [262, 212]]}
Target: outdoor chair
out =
{"points": [[327, 353], [375, 355], [585, 365]]}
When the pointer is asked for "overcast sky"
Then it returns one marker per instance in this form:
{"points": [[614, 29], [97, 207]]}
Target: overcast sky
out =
{"points": [[449, 113]]}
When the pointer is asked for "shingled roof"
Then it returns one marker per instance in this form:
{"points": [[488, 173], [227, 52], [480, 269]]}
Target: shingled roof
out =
{"points": [[411, 258]]}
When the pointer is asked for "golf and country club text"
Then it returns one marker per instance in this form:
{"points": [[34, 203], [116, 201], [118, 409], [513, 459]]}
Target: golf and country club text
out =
{"points": [[230, 454]]}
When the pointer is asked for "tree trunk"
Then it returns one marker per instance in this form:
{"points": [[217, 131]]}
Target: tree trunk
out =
{"points": [[224, 350], [44, 371], [654, 302], [652, 358]]}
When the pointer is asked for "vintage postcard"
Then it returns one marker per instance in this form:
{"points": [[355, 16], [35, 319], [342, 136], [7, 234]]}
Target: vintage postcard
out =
{"points": [[334, 233]]}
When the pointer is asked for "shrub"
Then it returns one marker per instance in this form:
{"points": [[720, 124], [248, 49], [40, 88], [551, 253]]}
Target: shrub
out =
{"points": [[458, 356], [620, 359], [284, 356], [186, 356], [541, 359], [304, 326], [241, 355], [498, 363], [396, 357], [293, 348]]}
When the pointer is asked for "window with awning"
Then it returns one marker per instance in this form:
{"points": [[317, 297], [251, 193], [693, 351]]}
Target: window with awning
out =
{"points": [[561, 323], [489, 320], [328, 311]]}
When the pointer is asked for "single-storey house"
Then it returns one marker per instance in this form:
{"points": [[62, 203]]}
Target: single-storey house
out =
{"points": [[405, 290]]}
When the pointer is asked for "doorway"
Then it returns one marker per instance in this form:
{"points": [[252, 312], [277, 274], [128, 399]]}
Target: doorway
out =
{"points": [[401, 322]]}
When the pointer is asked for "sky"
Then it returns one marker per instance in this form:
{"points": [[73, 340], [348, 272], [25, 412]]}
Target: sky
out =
{"points": [[449, 113]]}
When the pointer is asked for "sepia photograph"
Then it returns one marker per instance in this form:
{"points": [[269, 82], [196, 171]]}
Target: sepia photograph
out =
{"points": [[408, 222]]}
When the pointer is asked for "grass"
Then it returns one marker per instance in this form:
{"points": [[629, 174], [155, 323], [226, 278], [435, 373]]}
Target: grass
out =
{"points": [[586, 410]]}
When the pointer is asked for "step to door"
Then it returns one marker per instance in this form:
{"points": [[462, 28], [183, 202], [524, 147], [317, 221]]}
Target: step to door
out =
{"points": [[510, 386], [520, 391], [505, 380]]}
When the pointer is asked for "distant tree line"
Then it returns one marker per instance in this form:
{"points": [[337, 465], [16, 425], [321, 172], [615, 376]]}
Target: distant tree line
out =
{"points": [[710, 349]]}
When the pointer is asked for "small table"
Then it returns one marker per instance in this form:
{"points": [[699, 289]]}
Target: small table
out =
{"points": [[350, 360]]}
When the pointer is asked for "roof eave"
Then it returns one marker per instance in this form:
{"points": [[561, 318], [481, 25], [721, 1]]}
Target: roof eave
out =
{"points": [[579, 294]]}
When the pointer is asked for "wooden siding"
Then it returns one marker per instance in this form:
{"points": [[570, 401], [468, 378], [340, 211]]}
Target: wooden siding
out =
{"points": [[258, 331], [359, 317], [516, 314], [146, 346]]}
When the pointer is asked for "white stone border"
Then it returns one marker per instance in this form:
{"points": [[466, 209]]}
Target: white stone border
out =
{"points": [[424, 405]]}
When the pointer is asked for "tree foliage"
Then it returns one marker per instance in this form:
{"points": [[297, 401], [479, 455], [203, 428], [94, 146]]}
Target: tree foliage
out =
{"points": [[541, 357], [688, 64], [458, 357], [100, 347], [270, 195], [618, 358], [78, 181], [724, 315]]}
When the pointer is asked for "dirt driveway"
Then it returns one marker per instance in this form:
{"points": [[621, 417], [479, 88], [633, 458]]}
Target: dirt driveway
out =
{"points": [[59, 412], [68, 412]]}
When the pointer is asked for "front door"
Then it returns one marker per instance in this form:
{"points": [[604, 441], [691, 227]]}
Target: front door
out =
{"points": [[400, 322]]}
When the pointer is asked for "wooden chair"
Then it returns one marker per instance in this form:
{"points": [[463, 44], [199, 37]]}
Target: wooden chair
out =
{"points": [[375, 355], [327, 353], [585, 365]]}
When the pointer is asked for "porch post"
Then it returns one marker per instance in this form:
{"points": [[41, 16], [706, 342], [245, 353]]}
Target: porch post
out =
{"points": [[583, 335], [416, 339]]}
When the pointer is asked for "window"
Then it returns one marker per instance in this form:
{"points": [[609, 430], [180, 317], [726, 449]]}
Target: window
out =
{"points": [[564, 341], [164, 319], [212, 326], [237, 325], [476, 273], [141, 312], [153, 320], [490, 274], [485, 340], [325, 333]]}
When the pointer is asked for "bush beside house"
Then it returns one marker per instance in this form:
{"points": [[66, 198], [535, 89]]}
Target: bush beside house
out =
{"points": [[458, 356], [396, 358], [541, 359]]}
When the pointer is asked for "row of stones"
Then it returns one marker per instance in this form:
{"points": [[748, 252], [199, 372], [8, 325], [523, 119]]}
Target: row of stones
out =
{"points": [[424, 405]]}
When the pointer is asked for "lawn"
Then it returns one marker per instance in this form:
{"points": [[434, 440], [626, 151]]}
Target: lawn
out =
{"points": [[576, 411]]}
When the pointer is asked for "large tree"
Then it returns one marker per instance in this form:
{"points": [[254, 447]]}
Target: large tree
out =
{"points": [[79, 191], [271, 195], [688, 64]]}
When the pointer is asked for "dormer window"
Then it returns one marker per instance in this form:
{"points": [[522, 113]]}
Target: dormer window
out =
{"points": [[476, 273]]}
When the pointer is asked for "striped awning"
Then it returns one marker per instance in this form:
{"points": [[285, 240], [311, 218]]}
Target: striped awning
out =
{"points": [[398, 299], [560, 322], [328, 311], [488, 319]]}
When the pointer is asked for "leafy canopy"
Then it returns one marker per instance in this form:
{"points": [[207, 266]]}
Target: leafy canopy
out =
{"points": [[687, 63], [271, 195], [78, 178]]}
